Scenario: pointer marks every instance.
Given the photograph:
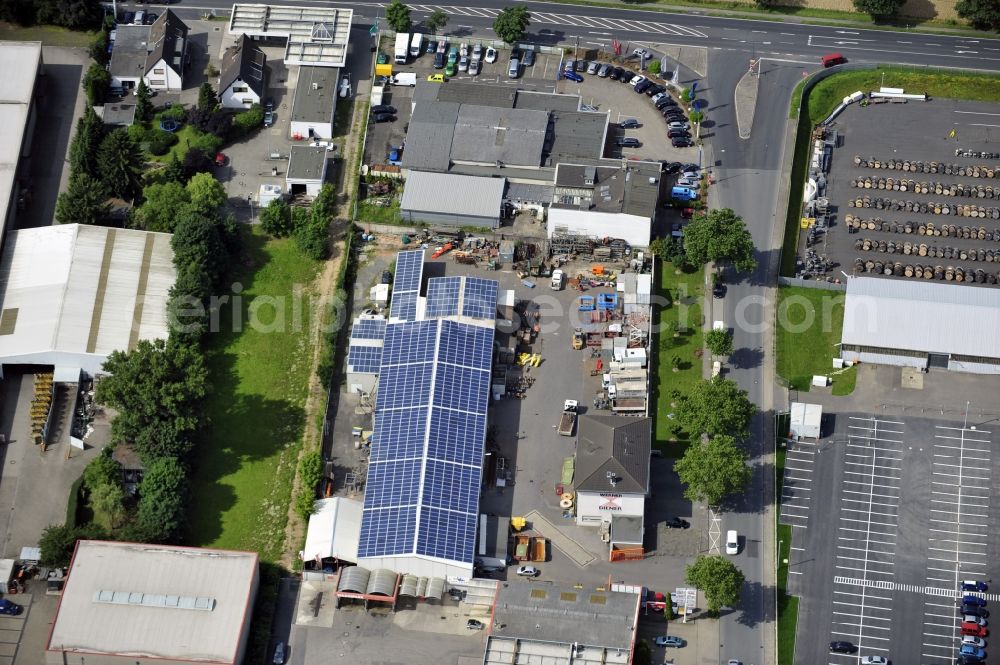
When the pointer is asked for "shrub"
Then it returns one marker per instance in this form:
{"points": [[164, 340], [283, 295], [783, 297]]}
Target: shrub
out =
{"points": [[207, 143], [174, 112], [247, 121], [160, 141], [654, 67]]}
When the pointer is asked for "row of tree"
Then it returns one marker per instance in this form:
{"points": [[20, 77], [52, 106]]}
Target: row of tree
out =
{"points": [[72, 14], [510, 24]]}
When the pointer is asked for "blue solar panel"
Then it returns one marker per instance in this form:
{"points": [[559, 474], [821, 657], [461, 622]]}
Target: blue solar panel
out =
{"points": [[442, 296], [404, 306], [480, 298], [409, 342], [461, 389], [368, 329], [451, 486], [462, 344], [451, 434], [394, 483], [402, 430], [409, 271], [387, 531], [447, 534], [403, 386], [364, 359]]}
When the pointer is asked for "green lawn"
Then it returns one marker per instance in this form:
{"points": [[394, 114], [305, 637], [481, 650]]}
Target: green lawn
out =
{"points": [[380, 214], [48, 35], [809, 325], [245, 462], [685, 294]]}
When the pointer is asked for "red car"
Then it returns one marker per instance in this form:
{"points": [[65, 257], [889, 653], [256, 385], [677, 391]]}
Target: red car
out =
{"points": [[687, 213], [220, 159], [974, 630]]}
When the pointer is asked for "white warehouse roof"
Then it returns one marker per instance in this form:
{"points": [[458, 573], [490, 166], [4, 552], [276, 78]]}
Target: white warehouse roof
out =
{"points": [[940, 318], [154, 601], [451, 194], [72, 294], [20, 62], [334, 530]]}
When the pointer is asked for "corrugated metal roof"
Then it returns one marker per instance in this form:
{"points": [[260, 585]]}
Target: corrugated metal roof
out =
{"points": [[466, 194], [486, 134], [922, 316], [84, 289], [82, 625]]}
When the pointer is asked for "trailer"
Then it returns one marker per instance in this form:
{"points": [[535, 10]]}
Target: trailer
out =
{"points": [[629, 405], [539, 550], [522, 548], [623, 389], [568, 419]]}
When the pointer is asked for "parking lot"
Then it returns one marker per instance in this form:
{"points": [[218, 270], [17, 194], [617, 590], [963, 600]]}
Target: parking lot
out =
{"points": [[912, 222], [880, 565]]}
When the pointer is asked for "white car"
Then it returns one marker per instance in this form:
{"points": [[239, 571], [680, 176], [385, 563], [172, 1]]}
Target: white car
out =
{"points": [[491, 54], [874, 660], [636, 80], [473, 67], [972, 618], [463, 64], [974, 641], [477, 52], [463, 50], [641, 52], [527, 571], [732, 542], [657, 97], [679, 125]]}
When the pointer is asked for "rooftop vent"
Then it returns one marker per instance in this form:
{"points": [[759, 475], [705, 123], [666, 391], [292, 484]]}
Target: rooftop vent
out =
{"points": [[163, 601], [589, 175]]}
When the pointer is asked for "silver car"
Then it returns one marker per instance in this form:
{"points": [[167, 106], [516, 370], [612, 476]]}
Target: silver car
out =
{"points": [[473, 67], [593, 67], [603, 71]]}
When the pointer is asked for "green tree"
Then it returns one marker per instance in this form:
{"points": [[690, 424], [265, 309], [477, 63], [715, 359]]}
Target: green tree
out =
{"points": [[437, 20], [397, 15], [276, 219], [59, 540], [99, 48], [879, 9], [696, 116], [109, 500], [207, 194], [511, 23], [83, 202], [163, 498], [102, 470], [72, 14], [981, 14], [86, 142], [174, 171], [310, 474], [720, 235], [719, 342], [716, 406], [658, 247], [119, 164], [718, 578], [96, 82], [200, 245], [143, 105], [207, 99], [312, 238], [713, 470], [164, 203], [157, 389], [247, 121]]}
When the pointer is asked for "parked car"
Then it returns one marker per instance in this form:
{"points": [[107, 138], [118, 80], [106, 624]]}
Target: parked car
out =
{"points": [[477, 52], [513, 68], [874, 660], [568, 66], [629, 123], [383, 108], [642, 53], [388, 117], [573, 76], [732, 537], [463, 50], [432, 46], [677, 523], [220, 159], [681, 142], [439, 60], [615, 73], [673, 113], [974, 610], [7, 607], [974, 600], [670, 167], [679, 134], [580, 66], [970, 650], [279, 654], [527, 571], [473, 67], [491, 55], [974, 585], [690, 168], [968, 660], [474, 624], [529, 58], [463, 64], [719, 291], [128, 18], [688, 213], [443, 46], [655, 89], [974, 629], [628, 142], [641, 86], [971, 618], [436, 78], [150, 18], [603, 71], [678, 125], [451, 68], [974, 641], [669, 641], [268, 118], [665, 101], [593, 67], [636, 80]]}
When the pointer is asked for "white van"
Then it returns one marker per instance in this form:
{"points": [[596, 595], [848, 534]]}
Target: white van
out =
{"points": [[732, 542], [514, 69], [140, 18], [416, 45]]}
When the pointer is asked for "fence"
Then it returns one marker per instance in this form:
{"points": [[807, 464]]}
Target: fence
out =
{"points": [[811, 284]]}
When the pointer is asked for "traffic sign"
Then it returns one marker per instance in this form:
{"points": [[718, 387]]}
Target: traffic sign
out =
{"points": [[373, 30]]}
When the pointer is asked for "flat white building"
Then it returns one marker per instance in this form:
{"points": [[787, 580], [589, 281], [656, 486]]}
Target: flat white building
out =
{"points": [[22, 64], [72, 294]]}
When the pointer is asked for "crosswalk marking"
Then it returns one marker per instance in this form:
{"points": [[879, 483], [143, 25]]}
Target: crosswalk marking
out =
{"points": [[910, 588]]}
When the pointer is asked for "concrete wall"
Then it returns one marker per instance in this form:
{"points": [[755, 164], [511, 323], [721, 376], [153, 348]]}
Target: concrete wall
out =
{"points": [[973, 367], [593, 507], [884, 359]]}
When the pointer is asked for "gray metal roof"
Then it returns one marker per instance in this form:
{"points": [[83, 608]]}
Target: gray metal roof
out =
{"points": [[613, 444], [565, 614], [575, 134], [529, 193], [450, 194], [167, 42], [485, 134], [128, 58], [243, 61], [920, 316], [499, 96], [546, 101], [307, 163], [314, 35], [611, 189], [119, 113], [315, 94], [429, 137]]}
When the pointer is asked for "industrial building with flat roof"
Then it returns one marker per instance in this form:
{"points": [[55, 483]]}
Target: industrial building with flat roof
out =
{"points": [[536, 623], [314, 103], [72, 294], [314, 35], [921, 324], [127, 603], [471, 200], [22, 64]]}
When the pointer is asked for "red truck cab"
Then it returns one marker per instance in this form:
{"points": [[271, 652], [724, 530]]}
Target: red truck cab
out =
{"points": [[833, 59]]}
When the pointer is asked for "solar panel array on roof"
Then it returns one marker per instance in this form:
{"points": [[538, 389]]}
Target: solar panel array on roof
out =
{"points": [[474, 297], [366, 359], [480, 298], [406, 285], [368, 329], [425, 465], [442, 296]]}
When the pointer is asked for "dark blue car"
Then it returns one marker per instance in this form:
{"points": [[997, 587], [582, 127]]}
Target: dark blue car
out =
{"points": [[573, 76], [974, 585], [974, 600]]}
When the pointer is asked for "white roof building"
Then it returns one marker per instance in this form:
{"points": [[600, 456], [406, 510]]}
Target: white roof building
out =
{"points": [[126, 602], [922, 324], [72, 294], [805, 421], [21, 63], [315, 35], [470, 200], [334, 530]]}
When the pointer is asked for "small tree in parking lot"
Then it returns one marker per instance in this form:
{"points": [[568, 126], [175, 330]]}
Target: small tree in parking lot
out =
{"points": [[718, 578], [511, 23], [653, 67], [397, 15], [437, 20]]}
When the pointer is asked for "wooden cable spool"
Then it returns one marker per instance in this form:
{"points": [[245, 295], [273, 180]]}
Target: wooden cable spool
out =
{"points": [[907, 248], [908, 271], [922, 230], [908, 228]]}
